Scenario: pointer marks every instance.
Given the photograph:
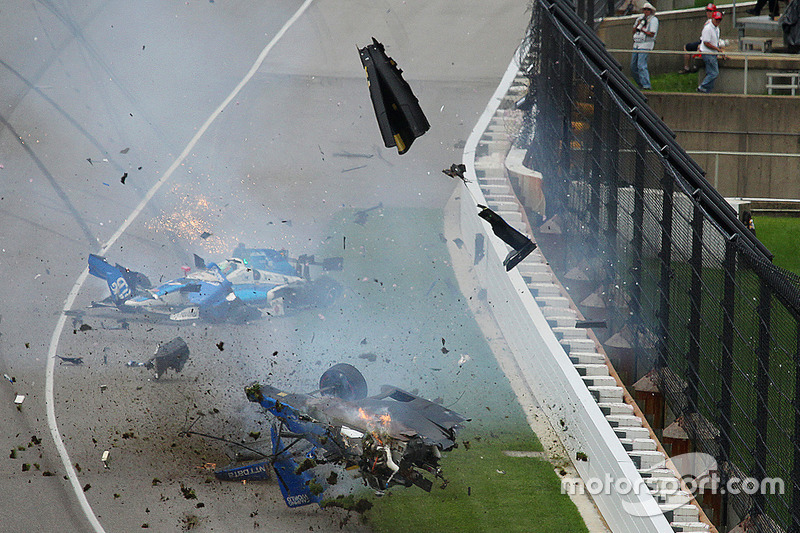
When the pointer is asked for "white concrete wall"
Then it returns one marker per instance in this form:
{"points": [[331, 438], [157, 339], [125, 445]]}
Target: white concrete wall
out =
{"points": [[545, 365]]}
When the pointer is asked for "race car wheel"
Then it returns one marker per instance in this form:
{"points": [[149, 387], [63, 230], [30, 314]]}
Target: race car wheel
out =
{"points": [[343, 381]]}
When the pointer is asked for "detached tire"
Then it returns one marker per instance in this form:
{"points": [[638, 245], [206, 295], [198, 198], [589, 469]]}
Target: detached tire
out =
{"points": [[343, 381]]}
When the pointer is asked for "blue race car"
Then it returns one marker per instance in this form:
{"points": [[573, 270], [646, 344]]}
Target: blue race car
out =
{"points": [[237, 289], [392, 438]]}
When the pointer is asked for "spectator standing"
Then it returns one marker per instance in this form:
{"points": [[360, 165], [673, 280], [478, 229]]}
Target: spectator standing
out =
{"points": [[709, 47], [645, 30], [774, 11], [694, 45]]}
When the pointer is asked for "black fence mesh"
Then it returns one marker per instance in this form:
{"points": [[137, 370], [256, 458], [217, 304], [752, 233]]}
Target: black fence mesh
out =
{"points": [[688, 293]]}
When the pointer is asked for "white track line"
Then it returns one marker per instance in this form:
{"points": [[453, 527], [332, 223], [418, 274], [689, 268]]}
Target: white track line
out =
{"points": [[51, 354]]}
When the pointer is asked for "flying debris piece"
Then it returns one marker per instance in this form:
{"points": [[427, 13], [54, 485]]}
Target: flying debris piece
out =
{"points": [[19, 399], [361, 216], [89, 159], [172, 354], [205, 235], [457, 171], [591, 324], [400, 118], [124, 150], [71, 360], [522, 245], [123, 178]]}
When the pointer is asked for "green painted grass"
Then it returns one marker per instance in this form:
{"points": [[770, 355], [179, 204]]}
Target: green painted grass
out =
{"points": [[781, 235], [487, 491], [672, 82]]}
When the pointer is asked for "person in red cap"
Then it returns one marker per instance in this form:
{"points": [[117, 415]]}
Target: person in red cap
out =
{"points": [[692, 46], [710, 49]]}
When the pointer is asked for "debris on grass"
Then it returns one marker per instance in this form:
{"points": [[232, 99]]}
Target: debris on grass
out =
{"points": [[349, 503], [188, 492]]}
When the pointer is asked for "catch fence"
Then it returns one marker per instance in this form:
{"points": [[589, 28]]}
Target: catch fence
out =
{"points": [[647, 244]]}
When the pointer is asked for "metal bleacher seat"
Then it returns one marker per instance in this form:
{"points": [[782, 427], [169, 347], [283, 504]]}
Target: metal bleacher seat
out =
{"points": [[785, 81]]}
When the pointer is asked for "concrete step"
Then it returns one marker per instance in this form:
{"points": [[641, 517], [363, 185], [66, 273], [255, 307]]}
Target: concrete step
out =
{"points": [[489, 162], [645, 445], [496, 125], [680, 513], [503, 189], [552, 312], [587, 357], [571, 333], [578, 345], [632, 445], [539, 277], [552, 301], [499, 198], [495, 205], [599, 381], [649, 474], [562, 322], [665, 483], [644, 459], [544, 289], [689, 527], [501, 146], [632, 432], [510, 216], [615, 408], [606, 393], [673, 497], [593, 370], [494, 134], [494, 180], [529, 267], [624, 421]]}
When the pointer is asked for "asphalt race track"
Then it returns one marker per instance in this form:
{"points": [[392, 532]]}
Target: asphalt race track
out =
{"points": [[93, 91]]}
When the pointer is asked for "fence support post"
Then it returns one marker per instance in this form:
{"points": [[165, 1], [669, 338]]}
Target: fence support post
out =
{"points": [[636, 244], [762, 393], [795, 480], [726, 368], [665, 256], [695, 300]]}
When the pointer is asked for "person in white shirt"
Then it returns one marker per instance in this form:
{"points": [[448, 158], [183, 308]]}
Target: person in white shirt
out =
{"points": [[709, 47], [645, 30], [694, 45]]}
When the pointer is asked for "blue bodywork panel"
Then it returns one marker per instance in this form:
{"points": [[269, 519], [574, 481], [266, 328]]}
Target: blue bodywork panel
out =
{"points": [[114, 276]]}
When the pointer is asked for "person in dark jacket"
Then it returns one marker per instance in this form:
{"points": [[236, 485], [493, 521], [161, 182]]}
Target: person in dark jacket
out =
{"points": [[791, 28]]}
